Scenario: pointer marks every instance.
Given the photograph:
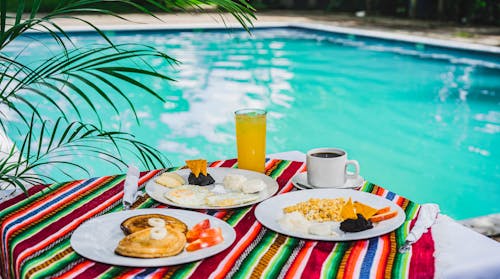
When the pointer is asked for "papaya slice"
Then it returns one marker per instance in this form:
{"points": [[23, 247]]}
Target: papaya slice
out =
{"points": [[383, 210], [383, 216]]}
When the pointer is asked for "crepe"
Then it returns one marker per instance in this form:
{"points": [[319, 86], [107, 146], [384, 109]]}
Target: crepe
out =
{"points": [[140, 244], [140, 222]]}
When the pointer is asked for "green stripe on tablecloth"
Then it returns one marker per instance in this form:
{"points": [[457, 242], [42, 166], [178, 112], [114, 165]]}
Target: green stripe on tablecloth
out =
{"points": [[281, 166], [113, 272], [184, 270], [281, 257], [401, 261], [332, 263], [236, 215], [250, 260]]}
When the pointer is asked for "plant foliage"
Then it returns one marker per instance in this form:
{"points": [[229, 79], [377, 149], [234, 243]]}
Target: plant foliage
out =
{"points": [[54, 141]]}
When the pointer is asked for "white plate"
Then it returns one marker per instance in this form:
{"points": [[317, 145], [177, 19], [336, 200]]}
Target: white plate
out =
{"points": [[269, 211], [97, 238], [300, 181], [157, 191]]}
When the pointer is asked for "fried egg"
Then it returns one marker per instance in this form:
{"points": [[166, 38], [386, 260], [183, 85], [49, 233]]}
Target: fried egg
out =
{"points": [[230, 199], [188, 195]]}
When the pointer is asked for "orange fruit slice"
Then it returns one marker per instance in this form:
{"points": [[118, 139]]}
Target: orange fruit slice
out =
{"points": [[347, 211], [365, 210], [383, 216]]}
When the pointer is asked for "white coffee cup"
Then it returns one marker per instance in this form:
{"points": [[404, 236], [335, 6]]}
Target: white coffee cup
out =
{"points": [[327, 167]]}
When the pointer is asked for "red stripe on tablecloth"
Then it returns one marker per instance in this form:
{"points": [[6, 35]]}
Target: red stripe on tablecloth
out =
{"points": [[300, 167], [96, 270], [321, 252], [288, 173], [159, 273], [229, 163], [381, 265], [422, 262], [65, 225], [311, 269], [76, 270]]}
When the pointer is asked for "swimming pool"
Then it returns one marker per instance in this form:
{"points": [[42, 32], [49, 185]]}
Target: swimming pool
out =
{"points": [[422, 121]]}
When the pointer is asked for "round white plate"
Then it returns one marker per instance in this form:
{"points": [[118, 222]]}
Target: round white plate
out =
{"points": [[300, 181], [96, 239], [157, 191], [270, 211]]}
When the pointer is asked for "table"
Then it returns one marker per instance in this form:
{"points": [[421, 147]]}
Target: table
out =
{"points": [[35, 233], [460, 251]]}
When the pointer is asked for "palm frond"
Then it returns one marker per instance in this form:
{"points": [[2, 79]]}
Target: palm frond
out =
{"points": [[54, 79], [54, 142]]}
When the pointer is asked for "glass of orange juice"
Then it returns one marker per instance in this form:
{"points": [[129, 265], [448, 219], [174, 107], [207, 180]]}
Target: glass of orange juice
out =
{"points": [[251, 139]]}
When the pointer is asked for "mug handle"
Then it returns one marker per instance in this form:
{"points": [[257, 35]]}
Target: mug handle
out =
{"points": [[356, 167]]}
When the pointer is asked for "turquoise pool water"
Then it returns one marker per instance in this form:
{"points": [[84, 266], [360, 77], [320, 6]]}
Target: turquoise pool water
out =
{"points": [[422, 121]]}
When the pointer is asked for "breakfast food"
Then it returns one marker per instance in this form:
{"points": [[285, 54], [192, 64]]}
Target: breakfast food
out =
{"points": [[356, 225], [170, 180], [199, 175], [202, 235], [152, 243], [145, 221], [155, 236], [230, 199], [189, 195], [233, 182], [317, 216], [253, 186], [319, 210]]}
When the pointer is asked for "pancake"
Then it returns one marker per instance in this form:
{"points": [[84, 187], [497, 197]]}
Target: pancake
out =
{"points": [[140, 222], [140, 244]]}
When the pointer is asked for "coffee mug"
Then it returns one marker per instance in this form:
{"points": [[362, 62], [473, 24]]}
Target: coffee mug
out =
{"points": [[327, 167]]}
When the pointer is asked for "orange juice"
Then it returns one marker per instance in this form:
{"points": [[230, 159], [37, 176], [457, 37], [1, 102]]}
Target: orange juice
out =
{"points": [[251, 139]]}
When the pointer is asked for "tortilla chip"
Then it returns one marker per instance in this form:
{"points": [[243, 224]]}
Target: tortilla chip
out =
{"points": [[365, 210], [347, 211], [197, 166]]}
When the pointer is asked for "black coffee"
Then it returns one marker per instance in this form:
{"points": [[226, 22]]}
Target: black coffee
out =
{"points": [[326, 155]]}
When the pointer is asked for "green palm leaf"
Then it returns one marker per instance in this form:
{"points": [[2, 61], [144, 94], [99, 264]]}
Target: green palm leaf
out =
{"points": [[41, 148]]}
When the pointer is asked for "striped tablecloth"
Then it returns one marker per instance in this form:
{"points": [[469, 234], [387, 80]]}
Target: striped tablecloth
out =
{"points": [[36, 231]]}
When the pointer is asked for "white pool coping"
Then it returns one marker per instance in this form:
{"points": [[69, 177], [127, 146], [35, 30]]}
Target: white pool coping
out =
{"points": [[375, 34]]}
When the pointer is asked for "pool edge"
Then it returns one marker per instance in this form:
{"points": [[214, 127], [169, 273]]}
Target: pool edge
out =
{"points": [[376, 34]]}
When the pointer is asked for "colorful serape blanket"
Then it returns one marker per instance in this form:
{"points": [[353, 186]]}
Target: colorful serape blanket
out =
{"points": [[36, 231]]}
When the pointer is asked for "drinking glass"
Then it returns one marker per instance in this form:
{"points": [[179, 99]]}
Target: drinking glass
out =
{"points": [[251, 139]]}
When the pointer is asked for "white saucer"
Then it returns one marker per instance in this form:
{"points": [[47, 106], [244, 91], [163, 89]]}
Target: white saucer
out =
{"points": [[300, 182]]}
